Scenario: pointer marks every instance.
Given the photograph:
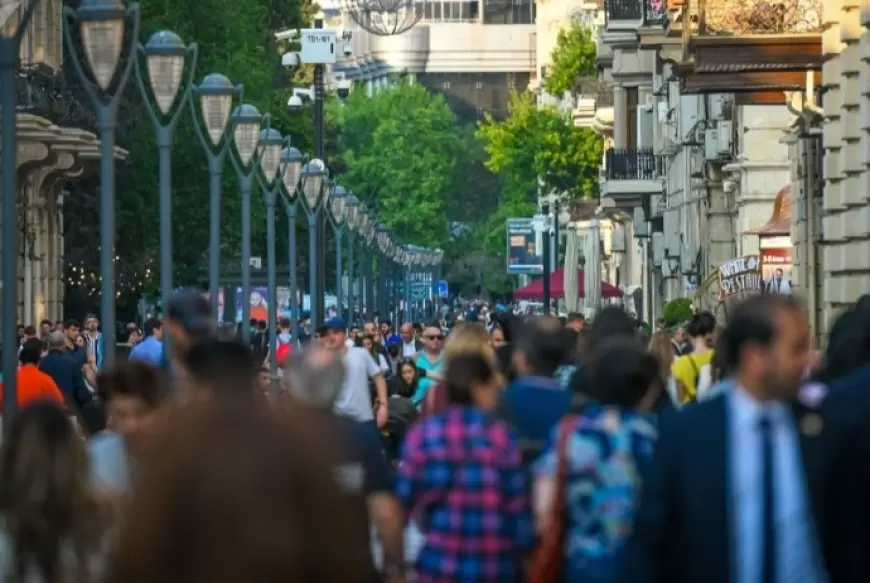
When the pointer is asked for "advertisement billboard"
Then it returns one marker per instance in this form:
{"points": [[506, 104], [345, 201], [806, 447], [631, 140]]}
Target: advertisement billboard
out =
{"points": [[776, 270], [522, 252]]}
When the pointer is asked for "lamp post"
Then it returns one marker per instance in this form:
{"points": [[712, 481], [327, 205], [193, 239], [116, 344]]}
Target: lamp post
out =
{"points": [[291, 162], [216, 102], [10, 48], [382, 239], [337, 202], [102, 26], [165, 55], [352, 212], [406, 259], [367, 284], [269, 145], [313, 175], [246, 132]]}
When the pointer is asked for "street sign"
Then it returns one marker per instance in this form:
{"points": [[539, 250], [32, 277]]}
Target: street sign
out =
{"points": [[318, 46], [522, 252], [441, 289]]}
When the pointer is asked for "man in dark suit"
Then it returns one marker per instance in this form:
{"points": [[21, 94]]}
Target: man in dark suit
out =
{"points": [[736, 492]]}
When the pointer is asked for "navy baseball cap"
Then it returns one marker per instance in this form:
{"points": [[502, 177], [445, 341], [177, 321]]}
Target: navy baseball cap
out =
{"points": [[190, 309], [335, 324]]}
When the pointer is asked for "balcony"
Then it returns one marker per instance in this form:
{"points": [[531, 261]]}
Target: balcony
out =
{"points": [[629, 14], [630, 176]]}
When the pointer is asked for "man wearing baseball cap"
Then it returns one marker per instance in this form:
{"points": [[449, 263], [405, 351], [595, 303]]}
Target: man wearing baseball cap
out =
{"points": [[188, 321], [354, 400]]}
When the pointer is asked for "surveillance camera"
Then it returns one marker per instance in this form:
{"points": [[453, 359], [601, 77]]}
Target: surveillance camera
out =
{"points": [[347, 50], [294, 103], [290, 60], [343, 89]]}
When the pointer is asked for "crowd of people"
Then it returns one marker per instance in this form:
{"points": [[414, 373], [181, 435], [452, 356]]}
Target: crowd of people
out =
{"points": [[517, 448]]}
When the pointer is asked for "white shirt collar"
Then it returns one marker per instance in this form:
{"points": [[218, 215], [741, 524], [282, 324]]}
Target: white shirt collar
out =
{"points": [[748, 410]]}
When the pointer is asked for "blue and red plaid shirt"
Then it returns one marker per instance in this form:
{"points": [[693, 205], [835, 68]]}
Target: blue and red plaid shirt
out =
{"points": [[462, 478]]}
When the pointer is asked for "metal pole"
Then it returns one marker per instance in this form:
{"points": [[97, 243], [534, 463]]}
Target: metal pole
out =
{"points": [[312, 268], [408, 314], [339, 292], [318, 302], [272, 281], [245, 182], [9, 152], [107, 233], [545, 210], [294, 302], [215, 167], [350, 282], [164, 163], [370, 282]]}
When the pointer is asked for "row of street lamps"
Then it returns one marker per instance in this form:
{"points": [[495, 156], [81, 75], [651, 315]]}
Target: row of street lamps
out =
{"points": [[259, 154]]}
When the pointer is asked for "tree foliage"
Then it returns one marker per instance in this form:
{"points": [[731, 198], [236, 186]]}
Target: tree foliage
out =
{"points": [[574, 57], [399, 151]]}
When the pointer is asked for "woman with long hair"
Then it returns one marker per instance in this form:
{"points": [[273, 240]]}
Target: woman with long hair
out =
{"points": [[463, 481], [52, 524], [224, 503]]}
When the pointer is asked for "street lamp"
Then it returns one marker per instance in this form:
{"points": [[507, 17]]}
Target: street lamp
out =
{"points": [[216, 101], [291, 161], [246, 132], [102, 26], [337, 202], [10, 48], [313, 175], [381, 240], [165, 55], [351, 211], [270, 144]]}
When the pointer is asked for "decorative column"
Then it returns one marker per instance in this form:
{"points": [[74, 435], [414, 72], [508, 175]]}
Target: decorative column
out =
{"points": [[620, 119], [832, 142]]}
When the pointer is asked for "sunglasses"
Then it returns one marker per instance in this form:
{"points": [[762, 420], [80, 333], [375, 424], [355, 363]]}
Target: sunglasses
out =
{"points": [[434, 337]]}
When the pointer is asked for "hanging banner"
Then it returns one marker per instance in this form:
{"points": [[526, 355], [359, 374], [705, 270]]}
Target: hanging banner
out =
{"points": [[776, 270], [740, 277], [522, 253]]}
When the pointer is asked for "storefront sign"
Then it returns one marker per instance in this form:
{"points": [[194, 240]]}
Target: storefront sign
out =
{"points": [[522, 253], [740, 277]]}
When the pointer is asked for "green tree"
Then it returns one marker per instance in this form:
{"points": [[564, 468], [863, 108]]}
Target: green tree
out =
{"points": [[574, 57], [399, 151]]}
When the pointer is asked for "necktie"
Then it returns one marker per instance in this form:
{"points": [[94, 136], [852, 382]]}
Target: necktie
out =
{"points": [[768, 524]]}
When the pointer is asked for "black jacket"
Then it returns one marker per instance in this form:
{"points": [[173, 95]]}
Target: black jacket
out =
{"points": [[68, 376]]}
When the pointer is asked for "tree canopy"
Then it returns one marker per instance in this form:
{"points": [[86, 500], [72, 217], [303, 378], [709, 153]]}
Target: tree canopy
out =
{"points": [[574, 57], [399, 151]]}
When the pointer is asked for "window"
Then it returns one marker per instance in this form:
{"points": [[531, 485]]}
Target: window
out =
{"points": [[511, 81], [446, 86]]}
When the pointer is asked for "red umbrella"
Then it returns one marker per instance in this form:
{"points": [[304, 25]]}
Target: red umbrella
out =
{"points": [[535, 290]]}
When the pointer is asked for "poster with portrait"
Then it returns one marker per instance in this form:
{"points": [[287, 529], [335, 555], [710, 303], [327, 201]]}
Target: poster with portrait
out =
{"points": [[776, 270], [258, 301]]}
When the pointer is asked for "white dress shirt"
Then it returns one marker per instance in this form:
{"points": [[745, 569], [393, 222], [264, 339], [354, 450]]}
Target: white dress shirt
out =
{"points": [[409, 349], [798, 550]]}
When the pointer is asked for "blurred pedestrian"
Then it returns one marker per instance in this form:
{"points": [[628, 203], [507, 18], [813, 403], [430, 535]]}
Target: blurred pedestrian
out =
{"points": [[52, 525], [240, 492], [462, 479]]}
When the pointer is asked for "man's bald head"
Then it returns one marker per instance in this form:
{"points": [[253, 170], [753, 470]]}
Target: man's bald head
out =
{"points": [[407, 332], [56, 341], [314, 377]]}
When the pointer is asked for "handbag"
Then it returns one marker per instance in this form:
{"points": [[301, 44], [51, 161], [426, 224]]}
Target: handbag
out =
{"points": [[549, 559]]}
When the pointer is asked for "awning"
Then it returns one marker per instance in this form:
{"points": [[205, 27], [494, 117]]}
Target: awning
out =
{"points": [[535, 290], [779, 224]]}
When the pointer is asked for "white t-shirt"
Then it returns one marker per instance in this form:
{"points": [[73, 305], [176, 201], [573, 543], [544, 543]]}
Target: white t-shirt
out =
{"points": [[354, 400], [409, 349]]}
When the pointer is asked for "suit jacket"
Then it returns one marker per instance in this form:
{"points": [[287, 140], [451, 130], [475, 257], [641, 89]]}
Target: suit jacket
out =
{"points": [[683, 529]]}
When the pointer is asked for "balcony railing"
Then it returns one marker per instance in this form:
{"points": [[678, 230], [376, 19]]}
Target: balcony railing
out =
{"points": [[648, 12], [634, 165]]}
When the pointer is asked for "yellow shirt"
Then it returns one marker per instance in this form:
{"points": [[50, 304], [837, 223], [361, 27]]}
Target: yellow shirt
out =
{"points": [[687, 369]]}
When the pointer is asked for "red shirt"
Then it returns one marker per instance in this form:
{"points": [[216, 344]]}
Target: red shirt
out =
{"points": [[34, 385]]}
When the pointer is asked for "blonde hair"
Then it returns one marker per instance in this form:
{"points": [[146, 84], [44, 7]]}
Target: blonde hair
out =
{"points": [[468, 338]]}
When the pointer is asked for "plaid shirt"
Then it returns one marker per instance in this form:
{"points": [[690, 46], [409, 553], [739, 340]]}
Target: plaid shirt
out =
{"points": [[462, 478]]}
